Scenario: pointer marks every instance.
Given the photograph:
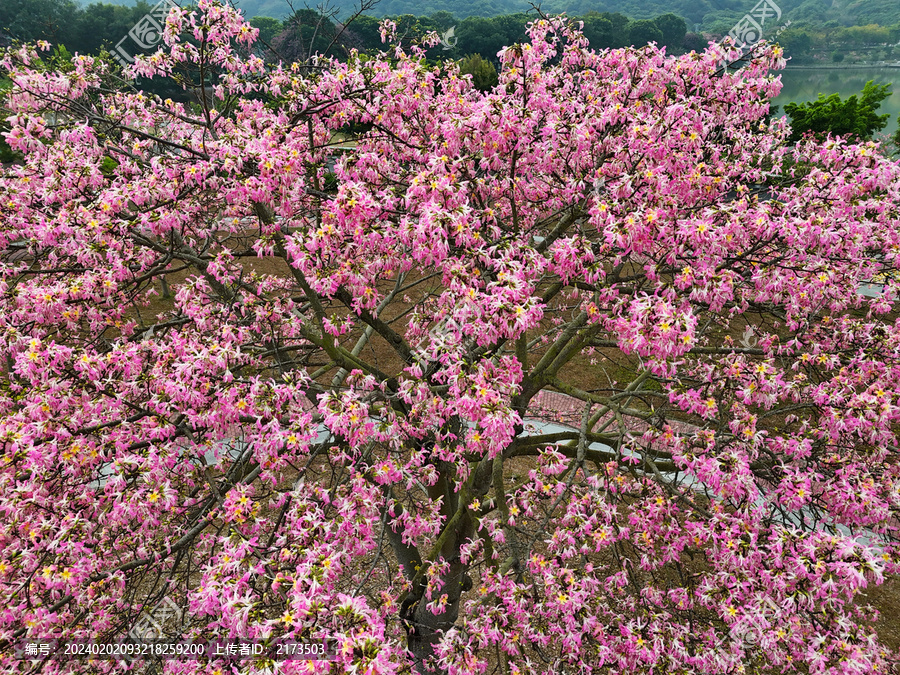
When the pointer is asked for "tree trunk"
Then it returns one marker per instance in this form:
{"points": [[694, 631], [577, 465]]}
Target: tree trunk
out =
{"points": [[425, 627]]}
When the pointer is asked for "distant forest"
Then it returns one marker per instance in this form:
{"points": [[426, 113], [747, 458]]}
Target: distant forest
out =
{"points": [[87, 29], [64, 22], [706, 15]]}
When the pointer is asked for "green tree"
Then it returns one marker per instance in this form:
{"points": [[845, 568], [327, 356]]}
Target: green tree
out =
{"points": [[269, 28], [364, 34], [644, 32], [673, 28], [6, 153], [30, 20], [855, 117], [599, 32], [896, 137], [478, 35], [443, 19], [484, 74], [512, 27], [606, 30], [868, 35], [620, 21], [694, 42], [797, 44], [811, 12], [692, 10], [720, 22], [306, 33], [100, 24]]}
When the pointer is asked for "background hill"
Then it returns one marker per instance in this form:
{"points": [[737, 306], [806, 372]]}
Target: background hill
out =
{"points": [[699, 14], [821, 31]]}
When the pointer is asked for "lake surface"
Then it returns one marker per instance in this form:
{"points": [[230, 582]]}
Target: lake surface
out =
{"points": [[802, 84]]}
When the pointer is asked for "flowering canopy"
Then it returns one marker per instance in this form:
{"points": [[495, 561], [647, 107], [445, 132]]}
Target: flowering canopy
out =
{"points": [[332, 428]]}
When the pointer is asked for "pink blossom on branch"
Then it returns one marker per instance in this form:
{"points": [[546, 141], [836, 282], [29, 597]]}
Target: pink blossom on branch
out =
{"points": [[337, 425]]}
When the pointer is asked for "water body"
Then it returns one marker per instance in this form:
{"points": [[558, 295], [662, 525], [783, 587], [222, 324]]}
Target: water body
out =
{"points": [[805, 84]]}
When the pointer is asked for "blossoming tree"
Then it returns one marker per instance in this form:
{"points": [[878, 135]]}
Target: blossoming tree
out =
{"points": [[338, 425]]}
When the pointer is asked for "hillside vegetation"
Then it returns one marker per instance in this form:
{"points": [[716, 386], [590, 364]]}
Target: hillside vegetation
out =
{"points": [[699, 14], [85, 28]]}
